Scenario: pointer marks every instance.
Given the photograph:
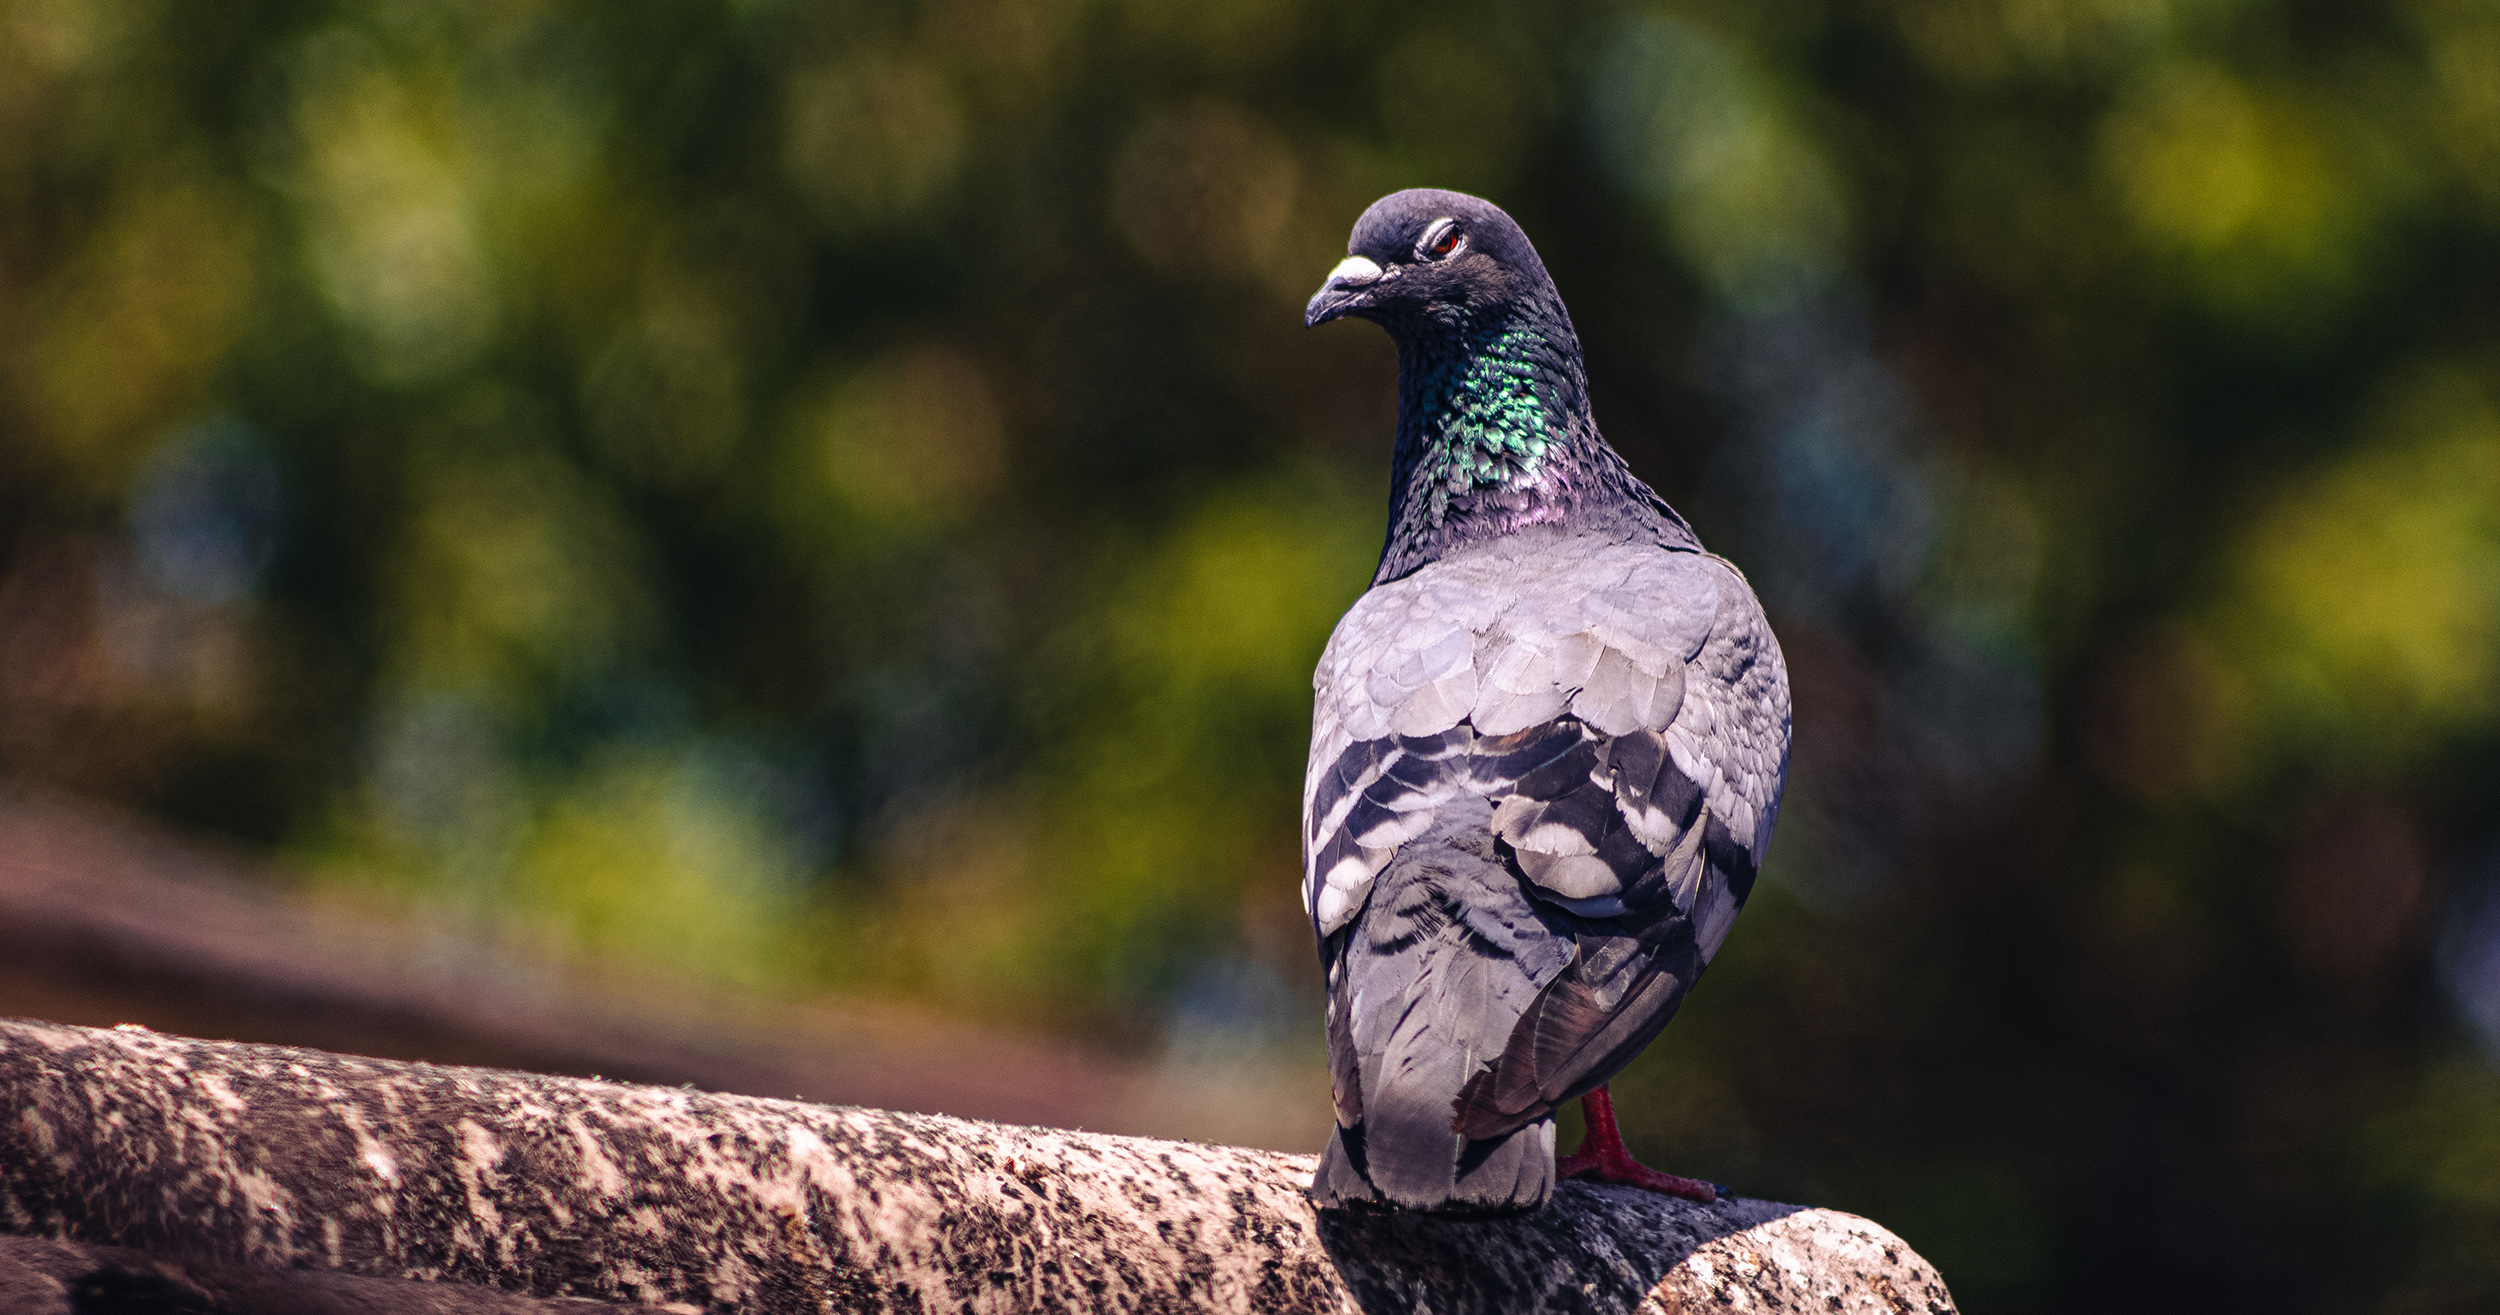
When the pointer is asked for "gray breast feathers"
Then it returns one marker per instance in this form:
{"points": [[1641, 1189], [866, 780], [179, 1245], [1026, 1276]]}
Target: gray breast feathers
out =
{"points": [[1621, 706]]}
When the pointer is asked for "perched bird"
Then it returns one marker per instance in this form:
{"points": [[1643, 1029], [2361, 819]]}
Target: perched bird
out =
{"points": [[1546, 746]]}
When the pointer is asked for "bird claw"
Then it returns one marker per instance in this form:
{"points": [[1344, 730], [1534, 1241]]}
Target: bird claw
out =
{"points": [[1625, 1171], [1602, 1158]]}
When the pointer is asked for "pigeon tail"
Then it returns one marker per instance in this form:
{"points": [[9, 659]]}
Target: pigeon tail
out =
{"points": [[1340, 1180], [1447, 955], [1514, 1171]]}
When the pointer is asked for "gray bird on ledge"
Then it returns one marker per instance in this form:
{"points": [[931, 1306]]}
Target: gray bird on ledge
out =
{"points": [[1546, 746]]}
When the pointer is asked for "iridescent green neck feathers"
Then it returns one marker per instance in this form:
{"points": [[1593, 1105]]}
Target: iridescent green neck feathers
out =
{"points": [[1483, 405]]}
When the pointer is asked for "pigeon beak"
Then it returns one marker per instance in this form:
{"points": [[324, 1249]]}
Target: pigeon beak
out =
{"points": [[1347, 290]]}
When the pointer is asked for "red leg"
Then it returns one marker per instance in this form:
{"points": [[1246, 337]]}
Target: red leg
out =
{"points": [[1602, 1158]]}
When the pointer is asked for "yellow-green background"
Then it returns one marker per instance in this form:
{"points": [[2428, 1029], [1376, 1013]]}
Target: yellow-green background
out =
{"points": [[837, 497]]}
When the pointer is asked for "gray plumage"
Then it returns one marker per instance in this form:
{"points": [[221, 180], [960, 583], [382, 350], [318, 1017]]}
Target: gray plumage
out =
{"points": [[1547, 746]]}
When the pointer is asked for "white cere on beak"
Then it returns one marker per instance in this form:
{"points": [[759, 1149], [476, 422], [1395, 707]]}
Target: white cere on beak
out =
{"points": [[1354, 269]]}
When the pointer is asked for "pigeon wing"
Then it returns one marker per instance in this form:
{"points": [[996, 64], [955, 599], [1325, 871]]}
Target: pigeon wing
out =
{"points": [[1389, 702], [1652, 847]]}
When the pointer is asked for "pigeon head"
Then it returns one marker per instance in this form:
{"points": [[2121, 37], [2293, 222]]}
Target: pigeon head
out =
{"points": [[1424, 258], [1494, 429]]}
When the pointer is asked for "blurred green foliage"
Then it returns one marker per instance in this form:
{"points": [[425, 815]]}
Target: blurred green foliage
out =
{"points": [[838, 497]]}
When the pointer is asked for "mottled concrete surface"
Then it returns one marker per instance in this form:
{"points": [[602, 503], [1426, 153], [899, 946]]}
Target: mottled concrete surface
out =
{"points": [[40, 1276], [222, 1154]]}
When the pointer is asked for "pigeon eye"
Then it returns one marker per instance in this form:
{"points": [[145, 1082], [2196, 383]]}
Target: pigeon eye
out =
{"points": [[1441, 241]]}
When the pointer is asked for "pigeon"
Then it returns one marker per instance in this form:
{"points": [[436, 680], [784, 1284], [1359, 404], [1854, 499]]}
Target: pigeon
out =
{"points": [[1547, 745]]}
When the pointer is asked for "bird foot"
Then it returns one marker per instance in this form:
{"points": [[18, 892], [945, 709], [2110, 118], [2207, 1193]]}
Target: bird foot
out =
{"points": [[1623, 1169], [1602, 1158]]}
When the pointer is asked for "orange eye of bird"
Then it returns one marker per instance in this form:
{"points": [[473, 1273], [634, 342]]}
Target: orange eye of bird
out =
{"points": [[1439, 241]]}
